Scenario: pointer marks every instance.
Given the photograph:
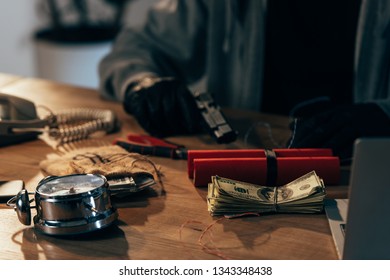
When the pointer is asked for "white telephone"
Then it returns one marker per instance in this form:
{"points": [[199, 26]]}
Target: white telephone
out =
{"points": [[20, 122]]}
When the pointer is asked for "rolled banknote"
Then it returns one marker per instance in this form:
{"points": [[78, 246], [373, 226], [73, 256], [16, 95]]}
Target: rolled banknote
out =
{"points": [[228, 197]]}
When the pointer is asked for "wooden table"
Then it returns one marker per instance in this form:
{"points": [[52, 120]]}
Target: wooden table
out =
{"points": [[159, 227]]}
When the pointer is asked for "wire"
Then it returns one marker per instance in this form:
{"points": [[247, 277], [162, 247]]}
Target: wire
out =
{"points": [[293, 119], [269, 133], [79, 123]]}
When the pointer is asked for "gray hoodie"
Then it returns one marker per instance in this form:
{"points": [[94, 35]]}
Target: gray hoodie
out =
{"points": [[210, 40]]}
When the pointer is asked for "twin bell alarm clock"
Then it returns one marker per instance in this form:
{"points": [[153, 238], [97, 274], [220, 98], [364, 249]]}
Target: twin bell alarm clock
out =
{"points": [[71, 204]]}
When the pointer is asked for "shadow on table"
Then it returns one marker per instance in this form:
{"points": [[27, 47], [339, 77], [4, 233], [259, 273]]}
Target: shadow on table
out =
{"points": [[107, 243]]}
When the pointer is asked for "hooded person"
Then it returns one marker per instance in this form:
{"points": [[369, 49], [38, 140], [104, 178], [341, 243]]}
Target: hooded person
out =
{"points": [[260, 55]]}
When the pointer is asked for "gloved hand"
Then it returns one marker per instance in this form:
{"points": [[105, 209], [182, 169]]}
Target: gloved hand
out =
{"points": [[163, 107], [338, 127]]}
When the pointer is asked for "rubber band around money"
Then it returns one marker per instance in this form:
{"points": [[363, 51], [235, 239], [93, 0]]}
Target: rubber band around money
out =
{"points": [[275, 199]]}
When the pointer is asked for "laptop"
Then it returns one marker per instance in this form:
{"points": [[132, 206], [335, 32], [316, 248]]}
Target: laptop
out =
{"points": [[360, 225]]}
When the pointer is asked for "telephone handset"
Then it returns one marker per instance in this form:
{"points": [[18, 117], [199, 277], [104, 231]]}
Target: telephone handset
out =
{"points": [[18, 113], [20, 122]]}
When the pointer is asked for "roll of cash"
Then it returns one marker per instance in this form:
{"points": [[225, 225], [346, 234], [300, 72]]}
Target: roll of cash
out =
{"points": [[229, 197]]}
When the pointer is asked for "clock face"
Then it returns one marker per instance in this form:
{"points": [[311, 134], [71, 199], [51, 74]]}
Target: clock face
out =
{"points": [[70, 185]]}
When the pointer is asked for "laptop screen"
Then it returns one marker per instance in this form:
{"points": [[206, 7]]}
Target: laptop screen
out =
{"points": [[366, 214]]}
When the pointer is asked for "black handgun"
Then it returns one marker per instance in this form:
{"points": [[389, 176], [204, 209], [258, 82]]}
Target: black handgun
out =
{"points": [[214, 119]]}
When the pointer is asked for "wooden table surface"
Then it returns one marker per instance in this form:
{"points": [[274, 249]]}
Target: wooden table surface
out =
{"points": [[158, 227]]}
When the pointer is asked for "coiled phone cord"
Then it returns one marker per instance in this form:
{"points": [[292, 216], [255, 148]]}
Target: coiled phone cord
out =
{"points": [[79, 123]]}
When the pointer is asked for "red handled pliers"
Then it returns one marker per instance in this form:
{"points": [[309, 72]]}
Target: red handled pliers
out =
{"points": [[148, 145]]}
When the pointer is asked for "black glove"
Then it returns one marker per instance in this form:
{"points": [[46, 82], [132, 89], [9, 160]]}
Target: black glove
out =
{"points": [[163, 107], [338, 127]]}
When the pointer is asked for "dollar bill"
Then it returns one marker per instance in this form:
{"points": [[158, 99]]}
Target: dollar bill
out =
{"points": [[303, 195]]}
